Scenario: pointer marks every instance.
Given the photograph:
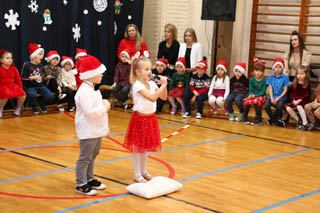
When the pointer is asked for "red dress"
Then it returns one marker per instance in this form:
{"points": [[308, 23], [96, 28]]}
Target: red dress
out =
{"points": [[10, 83]]}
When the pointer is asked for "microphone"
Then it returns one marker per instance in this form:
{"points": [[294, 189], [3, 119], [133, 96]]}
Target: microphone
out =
{"points": [[154, 77]]}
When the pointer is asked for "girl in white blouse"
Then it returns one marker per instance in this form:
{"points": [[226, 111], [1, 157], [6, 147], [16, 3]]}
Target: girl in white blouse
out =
{"points": [[143, 133], [219, 88]]}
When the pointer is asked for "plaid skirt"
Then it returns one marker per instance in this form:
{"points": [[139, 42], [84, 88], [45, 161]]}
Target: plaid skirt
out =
{"points": [[176, 92], [218, 92], [257, 100]]}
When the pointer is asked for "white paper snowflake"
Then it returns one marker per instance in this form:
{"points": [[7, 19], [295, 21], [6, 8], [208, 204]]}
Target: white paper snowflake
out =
{"points": [[44, 28], [76, 32], [129, 17], [65, 2], [99, 23], [115, 28], [12, 19], [100, 5], [33, 6], [85, 12]]}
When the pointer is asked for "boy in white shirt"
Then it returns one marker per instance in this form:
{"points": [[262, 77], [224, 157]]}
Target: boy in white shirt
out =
{"points": [[91, 123]]}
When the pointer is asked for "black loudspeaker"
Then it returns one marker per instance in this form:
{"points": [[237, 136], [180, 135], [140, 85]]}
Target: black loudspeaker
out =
{"points": [[219, 10]]}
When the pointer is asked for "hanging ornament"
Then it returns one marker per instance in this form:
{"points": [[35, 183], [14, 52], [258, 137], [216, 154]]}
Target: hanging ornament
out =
{"points": [[33, 6], [44, 28], [65, 2], [76, 32], [117, 7], [99, 23], [129, 17], [12, 20], [85, 12], [47, 17], [100, 5]]}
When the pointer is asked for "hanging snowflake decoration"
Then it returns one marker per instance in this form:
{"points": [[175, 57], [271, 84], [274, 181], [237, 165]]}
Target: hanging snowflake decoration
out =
{"points": [[99, 23], [100, 5], [129, 17], [76, 32], [44, 28], [12, 20], [115, 28], [33, 6], [65, 2], [85, 12]]}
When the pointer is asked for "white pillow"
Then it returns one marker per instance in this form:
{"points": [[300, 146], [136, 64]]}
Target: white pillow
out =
{"points": [[156, 187]]}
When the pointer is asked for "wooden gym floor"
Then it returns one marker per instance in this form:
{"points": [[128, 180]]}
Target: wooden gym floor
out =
{"points": [[224, 166]]}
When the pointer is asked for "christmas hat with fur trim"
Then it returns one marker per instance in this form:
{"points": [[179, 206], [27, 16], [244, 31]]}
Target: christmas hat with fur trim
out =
{"points": [[126, 52], [51, 55], [162, 61], [202, 63], [277, 61], [66, 59], [241, 66], [90, 67], [182, 62], [80, 52], [222, 64], [34, 50]]}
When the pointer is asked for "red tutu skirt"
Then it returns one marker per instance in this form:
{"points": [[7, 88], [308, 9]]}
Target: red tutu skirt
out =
{"points": [[143, 134], [260, 100], [218, 92], [176, 92]]}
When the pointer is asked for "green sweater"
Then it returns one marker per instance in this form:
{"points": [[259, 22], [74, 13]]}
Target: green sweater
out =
{"points": [[258, 88], [180, 81]]}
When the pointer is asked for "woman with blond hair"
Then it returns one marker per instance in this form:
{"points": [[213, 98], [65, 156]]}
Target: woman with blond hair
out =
{"points": [[133, 43], [169, 48], [191, 50]]}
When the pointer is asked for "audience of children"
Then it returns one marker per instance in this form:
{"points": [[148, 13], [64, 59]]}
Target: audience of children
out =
{"points": [[33, 82], [313, 110], [239, 86], [179, 86], [162, 69], [50, 75], [278, 84], [219, 88], [198, 90], [300, 93], [67, 81], [121, 86], [10, 82], [257, 93]]}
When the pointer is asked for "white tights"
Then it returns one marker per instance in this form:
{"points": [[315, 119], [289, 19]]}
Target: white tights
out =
{"points": [[139, 163], [302, 114], [213, 101]]}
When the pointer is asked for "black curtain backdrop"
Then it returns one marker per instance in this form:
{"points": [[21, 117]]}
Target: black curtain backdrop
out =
{"points": [[100, 32]]}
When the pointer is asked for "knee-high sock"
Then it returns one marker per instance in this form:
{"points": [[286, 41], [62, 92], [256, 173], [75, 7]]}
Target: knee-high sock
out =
{"points": [[302, 115], [143, 162], [136, 164]]}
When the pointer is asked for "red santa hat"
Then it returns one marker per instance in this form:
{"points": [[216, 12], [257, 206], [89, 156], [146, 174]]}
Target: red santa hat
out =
{"points": [[222, 64], [162, 61], [90, 67], [66, 59], [182, 62], [146, 53], [277, 61], [126, 52], [51, 55], [202, 63], [34, 50], [80, 52], [241, 66]]}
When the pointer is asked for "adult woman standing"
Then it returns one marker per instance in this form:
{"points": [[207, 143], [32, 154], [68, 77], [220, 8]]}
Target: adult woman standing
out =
{"points": [[190, 49], [169, 48], [296, 56], [133, 42]]}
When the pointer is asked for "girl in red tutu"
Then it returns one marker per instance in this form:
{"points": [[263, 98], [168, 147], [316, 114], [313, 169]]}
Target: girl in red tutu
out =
{"points": [[10, 82], [143, 133]]}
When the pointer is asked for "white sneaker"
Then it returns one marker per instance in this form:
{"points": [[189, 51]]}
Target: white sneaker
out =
{"points": [[186, 115], [17, 112], [198, 116], [60, 108], [62, 96]]}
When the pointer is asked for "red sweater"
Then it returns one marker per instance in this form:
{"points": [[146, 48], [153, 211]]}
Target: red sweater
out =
{"points": [[130, 45], [300, 93]]}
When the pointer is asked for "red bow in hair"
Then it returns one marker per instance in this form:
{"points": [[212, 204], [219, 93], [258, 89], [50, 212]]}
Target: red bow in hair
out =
{"points": [[2, 51]]}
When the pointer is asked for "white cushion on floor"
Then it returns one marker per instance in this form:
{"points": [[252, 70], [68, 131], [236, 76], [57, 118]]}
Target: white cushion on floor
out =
{"points": [[156, 187]]}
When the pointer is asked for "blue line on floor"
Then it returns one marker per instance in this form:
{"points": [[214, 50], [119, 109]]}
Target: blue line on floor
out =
{"points": [[287, 201], [197, 176], [116, 159], [62, 142]]}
